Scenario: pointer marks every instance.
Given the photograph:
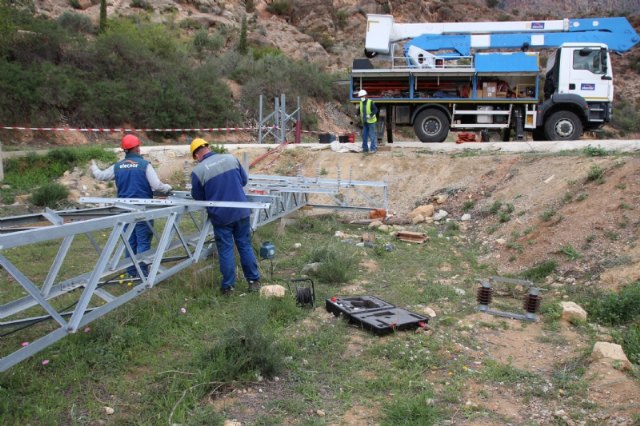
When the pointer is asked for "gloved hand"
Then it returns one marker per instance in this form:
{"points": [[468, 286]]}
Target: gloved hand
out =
{"points": [[368, 117], [167, 189]]}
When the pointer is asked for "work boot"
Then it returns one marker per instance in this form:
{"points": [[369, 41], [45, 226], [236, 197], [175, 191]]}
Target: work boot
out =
{"points": [[254, 286], [226, 291]]}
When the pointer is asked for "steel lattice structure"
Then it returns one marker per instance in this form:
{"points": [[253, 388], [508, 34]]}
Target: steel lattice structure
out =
{"points": [[67, 298]]}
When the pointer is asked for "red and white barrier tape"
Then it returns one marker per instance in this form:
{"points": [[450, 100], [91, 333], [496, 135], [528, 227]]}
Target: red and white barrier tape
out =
{"points": [[106, 130], [123, 130]]}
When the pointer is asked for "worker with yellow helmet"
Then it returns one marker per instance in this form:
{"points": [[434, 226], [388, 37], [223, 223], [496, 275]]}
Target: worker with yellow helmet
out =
{"points": [[220, 177], [367, 110]]}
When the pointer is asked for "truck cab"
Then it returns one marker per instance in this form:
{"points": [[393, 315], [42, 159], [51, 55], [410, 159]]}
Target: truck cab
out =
{"points": [[578, 80]]}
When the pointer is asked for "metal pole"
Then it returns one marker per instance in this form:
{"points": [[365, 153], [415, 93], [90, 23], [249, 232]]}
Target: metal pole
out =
{"points": [[298, 136], [260, 123], [283, 118], [1, 166], [276, 119]]}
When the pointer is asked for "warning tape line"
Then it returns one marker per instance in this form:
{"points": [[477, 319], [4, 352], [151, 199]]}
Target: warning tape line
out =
{"points": [[107, 130], [119, 130]]}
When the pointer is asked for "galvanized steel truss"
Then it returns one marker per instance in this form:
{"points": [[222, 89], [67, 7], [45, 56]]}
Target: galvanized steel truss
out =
{"points": [[69, 296]]}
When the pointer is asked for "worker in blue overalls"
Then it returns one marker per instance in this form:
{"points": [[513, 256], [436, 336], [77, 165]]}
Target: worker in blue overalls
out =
{"points": [[135, 178]]}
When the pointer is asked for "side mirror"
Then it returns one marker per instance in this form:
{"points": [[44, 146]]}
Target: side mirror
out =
{"points": [[603, 61]]}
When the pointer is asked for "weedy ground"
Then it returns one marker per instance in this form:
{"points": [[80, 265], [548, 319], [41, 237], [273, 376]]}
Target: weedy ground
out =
{"points": [[268, 361], [182, 354]]}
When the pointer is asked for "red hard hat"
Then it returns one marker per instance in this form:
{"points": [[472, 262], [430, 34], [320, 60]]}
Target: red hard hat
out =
{"points": [[129, 141]]}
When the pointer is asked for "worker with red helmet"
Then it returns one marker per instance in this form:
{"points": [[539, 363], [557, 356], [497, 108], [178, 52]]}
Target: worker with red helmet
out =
{"points": [[135, 178]]}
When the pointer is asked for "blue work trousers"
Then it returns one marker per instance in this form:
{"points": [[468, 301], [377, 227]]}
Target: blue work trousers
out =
{"points": [[140, 241], [369, 132], [240, 233]]}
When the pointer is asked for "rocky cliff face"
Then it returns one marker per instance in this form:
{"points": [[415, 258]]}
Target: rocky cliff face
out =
{"points": [[328, 32]]}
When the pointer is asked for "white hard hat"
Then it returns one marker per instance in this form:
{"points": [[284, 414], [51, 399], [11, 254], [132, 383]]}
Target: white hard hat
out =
{"points": [[362, 93]]}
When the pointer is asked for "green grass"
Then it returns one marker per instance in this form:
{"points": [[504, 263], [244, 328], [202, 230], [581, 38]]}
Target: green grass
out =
{"points": [[595, 151], [468, 205], [49, 195], [415, 410], [22, 174], [547, 215], [336, 263], [540, 271], [570, 252], [616, 308], [154, 364], [595, 174]]}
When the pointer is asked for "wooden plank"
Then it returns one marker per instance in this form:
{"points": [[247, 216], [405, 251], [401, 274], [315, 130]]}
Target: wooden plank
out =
{"points": [[412, 237]]}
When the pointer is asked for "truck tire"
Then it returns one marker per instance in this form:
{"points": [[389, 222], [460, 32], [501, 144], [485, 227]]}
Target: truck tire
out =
{"points": [[563, 126], [431, 125]]}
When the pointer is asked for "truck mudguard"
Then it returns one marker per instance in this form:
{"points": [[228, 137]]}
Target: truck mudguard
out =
{"points": [[574, 103]]}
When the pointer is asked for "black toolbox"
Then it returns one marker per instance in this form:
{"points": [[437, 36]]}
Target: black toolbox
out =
{"points": [[346, 306], [374, 314]]}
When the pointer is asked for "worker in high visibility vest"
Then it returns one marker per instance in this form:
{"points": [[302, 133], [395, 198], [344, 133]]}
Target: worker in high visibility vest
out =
{"points": [[368, 118]]}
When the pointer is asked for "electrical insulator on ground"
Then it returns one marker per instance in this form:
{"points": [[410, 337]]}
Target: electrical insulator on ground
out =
{"points": [[532, 303], [485, 295]]}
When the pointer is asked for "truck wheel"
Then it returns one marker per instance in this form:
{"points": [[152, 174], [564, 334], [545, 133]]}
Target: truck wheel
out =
{"points": [[563, 126], [431, 125]]}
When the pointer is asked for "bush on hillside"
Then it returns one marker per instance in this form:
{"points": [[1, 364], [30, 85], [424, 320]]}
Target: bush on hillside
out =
{"points": [[76, 22], [137, 73], [247, 347], [24, 173], [49, 195], [337, 264], [615, 308], [626, 116]]}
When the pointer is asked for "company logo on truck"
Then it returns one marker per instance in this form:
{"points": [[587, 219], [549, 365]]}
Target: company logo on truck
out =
{"points": [[587, 86], [537, 25]]}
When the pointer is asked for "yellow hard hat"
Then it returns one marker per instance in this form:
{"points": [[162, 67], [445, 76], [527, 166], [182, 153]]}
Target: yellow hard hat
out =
{"points": [[195, 144]]}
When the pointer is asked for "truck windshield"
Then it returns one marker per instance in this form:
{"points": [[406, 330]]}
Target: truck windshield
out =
{"points": [[588, 59]]}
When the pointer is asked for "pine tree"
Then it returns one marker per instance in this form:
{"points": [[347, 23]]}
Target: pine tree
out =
{"points": [[103, 15], [242, 44]]}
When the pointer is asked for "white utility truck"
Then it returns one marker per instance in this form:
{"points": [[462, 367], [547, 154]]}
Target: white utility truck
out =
{"points": [[486, 76]]}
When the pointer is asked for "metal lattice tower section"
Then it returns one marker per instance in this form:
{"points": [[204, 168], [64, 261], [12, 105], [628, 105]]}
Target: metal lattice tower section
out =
{"points": [[275, 124], [82, 278]]}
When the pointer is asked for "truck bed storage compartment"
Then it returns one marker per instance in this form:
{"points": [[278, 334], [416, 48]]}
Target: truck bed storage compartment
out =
{"points": [[485, 118]]}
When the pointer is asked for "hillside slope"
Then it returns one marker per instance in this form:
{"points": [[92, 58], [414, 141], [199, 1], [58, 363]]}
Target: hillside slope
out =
{"points": [[548, 205], [331, 34]]}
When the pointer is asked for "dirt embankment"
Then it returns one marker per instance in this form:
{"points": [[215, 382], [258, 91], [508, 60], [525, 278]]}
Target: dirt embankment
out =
{"points": [[583, 212]]}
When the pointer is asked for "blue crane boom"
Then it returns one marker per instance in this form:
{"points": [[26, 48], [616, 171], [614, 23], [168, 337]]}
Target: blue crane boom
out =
{"points": [[616, 33], [382, 32]]}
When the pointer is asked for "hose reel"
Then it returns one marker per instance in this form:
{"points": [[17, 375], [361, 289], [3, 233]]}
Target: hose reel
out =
{"points": [[305, 296]]}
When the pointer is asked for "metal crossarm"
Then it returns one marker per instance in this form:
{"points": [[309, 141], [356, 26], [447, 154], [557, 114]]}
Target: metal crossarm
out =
{"points": [[79, 272]]}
